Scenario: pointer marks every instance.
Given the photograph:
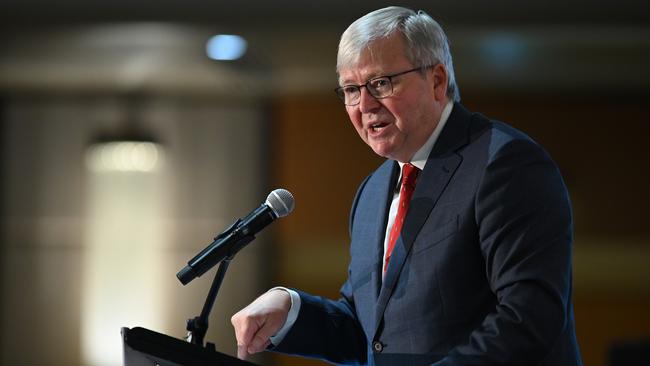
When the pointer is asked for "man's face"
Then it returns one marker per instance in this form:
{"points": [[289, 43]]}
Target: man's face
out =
{"points": [[395, 127]]}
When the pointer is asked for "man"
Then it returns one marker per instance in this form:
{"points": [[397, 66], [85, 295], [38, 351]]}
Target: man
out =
{"points": [[460, 241]]}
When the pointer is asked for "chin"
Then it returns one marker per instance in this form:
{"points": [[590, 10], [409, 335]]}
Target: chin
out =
{"points": [[382, 152]]}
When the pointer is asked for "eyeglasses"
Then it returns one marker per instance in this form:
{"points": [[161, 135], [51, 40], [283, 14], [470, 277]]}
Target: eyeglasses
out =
{"points": [[379, 87]]}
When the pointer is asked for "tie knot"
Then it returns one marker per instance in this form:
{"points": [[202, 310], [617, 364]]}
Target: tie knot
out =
{"points": [[409, 174]]}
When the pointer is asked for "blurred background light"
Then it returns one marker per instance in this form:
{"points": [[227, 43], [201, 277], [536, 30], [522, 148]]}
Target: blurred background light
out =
{"points": [[503, 50], [125, 156], [226, 47], [122, 271]]}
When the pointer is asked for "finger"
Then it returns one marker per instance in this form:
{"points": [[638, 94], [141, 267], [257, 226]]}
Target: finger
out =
{"points": [[242, 352], [245, 328], [255, 324], [251, 350], [261, 340]]}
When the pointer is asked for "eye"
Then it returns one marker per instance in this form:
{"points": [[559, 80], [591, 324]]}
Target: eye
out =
{"points": [[350, 89], [380, 84]]}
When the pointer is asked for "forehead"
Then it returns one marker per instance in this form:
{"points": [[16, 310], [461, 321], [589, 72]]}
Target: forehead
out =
{"points": [[381, 57]]}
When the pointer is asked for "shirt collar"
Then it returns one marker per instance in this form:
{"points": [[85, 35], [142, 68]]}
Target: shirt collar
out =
{"points": [[420, 157]]}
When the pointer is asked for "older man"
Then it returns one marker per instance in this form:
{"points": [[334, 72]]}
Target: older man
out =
{"points": [[460, 241]]}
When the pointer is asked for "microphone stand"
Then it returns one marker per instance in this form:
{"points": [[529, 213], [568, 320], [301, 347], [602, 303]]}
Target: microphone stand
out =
{"points": [[197, 327]]}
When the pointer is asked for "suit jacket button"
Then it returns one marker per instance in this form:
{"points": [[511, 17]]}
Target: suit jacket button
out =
{"points": [[377, 346]]}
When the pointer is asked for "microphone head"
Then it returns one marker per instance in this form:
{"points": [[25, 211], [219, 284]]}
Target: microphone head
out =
{"points": [[281, 202]]}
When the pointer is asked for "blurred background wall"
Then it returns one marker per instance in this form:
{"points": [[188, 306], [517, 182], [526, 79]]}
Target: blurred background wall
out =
{"points": [[85, 251]]}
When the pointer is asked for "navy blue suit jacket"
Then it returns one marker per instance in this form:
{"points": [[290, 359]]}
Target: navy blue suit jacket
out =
{"points": [[481, 274]]}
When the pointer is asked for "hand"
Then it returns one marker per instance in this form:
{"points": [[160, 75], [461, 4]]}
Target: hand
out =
{"points": [[256, 323]]}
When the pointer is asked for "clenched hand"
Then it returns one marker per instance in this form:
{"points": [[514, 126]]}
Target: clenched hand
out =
{"points": [[261, 319]]}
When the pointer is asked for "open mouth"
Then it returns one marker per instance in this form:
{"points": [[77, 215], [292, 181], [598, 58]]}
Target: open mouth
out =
{"points": [[378, 126]]}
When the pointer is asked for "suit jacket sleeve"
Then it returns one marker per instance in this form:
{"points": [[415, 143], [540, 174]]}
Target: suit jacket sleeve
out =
{"points": [[524, 224]]}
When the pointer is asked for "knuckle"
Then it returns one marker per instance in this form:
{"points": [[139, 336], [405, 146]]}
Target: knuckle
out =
{"points": [[234, 319]]}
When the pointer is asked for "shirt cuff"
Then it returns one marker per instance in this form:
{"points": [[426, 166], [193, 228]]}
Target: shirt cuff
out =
{"points": [[291, 316]]}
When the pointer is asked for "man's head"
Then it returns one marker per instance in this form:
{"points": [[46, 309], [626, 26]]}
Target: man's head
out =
{"points": [[396, 72], [426, 42]]}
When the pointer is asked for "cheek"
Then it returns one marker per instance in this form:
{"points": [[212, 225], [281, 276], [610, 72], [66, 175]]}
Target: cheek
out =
{"points": [[355, 118], [406, 115], [399, 113]]}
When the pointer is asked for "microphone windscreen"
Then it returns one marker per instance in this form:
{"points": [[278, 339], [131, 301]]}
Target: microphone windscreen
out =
{"points": [[281, 202]]}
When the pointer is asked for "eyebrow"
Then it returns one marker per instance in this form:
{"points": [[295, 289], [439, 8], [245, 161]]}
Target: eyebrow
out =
{"points": [[372, 76]]}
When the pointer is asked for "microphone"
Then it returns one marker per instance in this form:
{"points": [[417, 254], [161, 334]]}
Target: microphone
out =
{"points": [[279, 203]]}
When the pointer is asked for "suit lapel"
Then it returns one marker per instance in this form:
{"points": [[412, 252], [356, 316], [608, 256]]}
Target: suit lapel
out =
{"points": [[441, 166], [384, 181]]}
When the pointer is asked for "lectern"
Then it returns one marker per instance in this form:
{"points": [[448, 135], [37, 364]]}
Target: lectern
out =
{"points": [[144, 347]]}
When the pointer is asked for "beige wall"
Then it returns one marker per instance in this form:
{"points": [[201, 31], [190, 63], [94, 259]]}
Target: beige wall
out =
{"points": [[211, 176]]}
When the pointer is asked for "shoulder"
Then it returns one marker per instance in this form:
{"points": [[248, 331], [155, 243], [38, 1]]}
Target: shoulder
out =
{"points": [[468, 132], [492, 139]]}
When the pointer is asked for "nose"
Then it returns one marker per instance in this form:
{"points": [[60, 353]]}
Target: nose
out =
{"points": [[367, 103]]}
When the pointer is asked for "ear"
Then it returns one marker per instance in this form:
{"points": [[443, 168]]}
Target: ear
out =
{"points": [[439, 79]]}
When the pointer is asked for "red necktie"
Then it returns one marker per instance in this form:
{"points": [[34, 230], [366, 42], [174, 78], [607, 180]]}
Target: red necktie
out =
{"points": [[409, 176]]}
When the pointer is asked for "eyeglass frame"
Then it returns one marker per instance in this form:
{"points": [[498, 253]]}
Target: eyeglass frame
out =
{"points": [[341, 93]]}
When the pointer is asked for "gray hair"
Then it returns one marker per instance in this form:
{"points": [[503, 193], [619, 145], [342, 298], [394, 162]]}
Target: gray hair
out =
{"points": [[426, 42]]}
